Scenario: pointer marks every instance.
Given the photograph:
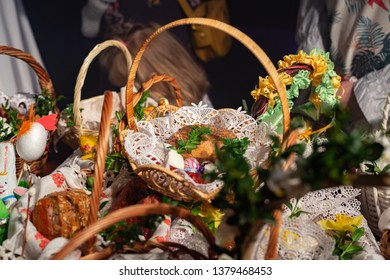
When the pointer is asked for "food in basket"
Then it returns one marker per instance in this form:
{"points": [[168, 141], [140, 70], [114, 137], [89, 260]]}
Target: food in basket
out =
{"points": [[191, 133], [199, 141], [61, 214]]}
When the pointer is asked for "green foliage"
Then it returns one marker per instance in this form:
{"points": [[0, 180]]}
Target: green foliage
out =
{"points": [[373, 168], [340, 153], [115, 127], [194, 138], [346, 242], [240, 192], [124, 233], [236, 146], [115, 161], [194, 207], [13, 120], [296, 211], [138, 108], [68, 111], [44, 104]]}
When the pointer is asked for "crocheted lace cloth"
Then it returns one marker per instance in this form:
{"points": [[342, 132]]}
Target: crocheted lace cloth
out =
{"points": [[303, 238], [146, 146]]}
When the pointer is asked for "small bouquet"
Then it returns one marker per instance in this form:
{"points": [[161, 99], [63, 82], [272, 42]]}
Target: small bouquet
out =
{"points": [[311, 86]]}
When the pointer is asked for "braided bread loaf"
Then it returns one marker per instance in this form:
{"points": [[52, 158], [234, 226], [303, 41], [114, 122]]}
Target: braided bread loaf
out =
{"points": [[61, 214]]}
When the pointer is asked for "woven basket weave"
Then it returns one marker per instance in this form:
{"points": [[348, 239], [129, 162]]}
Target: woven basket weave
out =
{"points": [[72, 136], [87, 237], [163, 179], [45, 84], [376, 199]]}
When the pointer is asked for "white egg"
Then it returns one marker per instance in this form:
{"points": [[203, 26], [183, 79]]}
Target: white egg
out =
{"points": [[32, 145], [175, 159]]}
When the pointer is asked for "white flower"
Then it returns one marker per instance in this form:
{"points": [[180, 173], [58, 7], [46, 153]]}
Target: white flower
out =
{"points": [[381, 138], [5, 128]]}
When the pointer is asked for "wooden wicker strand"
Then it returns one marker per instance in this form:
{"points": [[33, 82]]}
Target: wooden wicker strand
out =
{"points": [[385, 237], [88, 235], [235, 33], [385, 118], [129, 212], [45, 84], [162, 78], [43, 77], [272, 248], [101, 151], [83, 72]]}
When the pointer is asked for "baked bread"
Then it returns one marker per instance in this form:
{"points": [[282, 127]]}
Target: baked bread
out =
{"points": [[205, 151], [61, 214]]}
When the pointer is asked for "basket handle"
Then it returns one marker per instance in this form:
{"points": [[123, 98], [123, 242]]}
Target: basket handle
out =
{"points": [[44, 79], [83, 72], [386, 114], [101, 152], [129, 212], [230, 30], [156, 79]]}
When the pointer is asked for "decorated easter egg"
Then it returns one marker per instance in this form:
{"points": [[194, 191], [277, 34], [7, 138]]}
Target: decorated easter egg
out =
{"points": [[175, 159], [88, 145], [32, 144], [207, 167], [191, 163]]}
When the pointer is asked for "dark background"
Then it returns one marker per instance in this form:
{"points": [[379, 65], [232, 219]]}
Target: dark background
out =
{"points": [[56, 26]]}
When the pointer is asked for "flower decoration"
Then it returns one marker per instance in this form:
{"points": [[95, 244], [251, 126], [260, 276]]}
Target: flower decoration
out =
{"points": [[210, 214], [298, 72], [342, 223], [346, 231]]}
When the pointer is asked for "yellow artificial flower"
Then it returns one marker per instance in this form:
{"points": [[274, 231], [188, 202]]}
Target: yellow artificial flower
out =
{"points": [[289, 60], [211, 214], [320, 66], [267, 88], [336, 81], [316, 100], [305, 135], [342, 223]]}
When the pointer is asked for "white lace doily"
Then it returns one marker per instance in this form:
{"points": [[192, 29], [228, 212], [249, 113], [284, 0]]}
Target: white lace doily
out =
{"points": [[146, 146], [303, 238]]}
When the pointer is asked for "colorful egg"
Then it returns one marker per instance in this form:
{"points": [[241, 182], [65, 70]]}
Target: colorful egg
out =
{"points": [[207, 167], [175, 159], [31, 145], [191, 163]]}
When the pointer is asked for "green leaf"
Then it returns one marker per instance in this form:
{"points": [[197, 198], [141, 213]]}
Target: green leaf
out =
{"points": [[90, 181], [353, 249], [289, 205], [357, 234]]}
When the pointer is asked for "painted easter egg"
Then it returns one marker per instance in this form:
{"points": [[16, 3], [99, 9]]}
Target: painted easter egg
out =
{"points": [[32, 144], [191, 163], [175, 159], [207, 167]]}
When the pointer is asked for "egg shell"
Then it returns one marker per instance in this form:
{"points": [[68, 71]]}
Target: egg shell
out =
{"points": [[32, 145], [191, 163], [175, 159]]}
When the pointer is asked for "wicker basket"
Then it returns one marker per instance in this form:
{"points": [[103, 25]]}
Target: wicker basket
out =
{"points": [[161, 178], [72, 136], [87, 237], [376, 199], [45, 84]]}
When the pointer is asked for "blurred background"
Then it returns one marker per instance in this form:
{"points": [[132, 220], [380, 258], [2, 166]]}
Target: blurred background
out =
{"points": [[57, 30]]}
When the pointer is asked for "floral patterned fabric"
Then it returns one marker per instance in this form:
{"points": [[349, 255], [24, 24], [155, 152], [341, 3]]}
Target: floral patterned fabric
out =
{"points": [[357, 34]]}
